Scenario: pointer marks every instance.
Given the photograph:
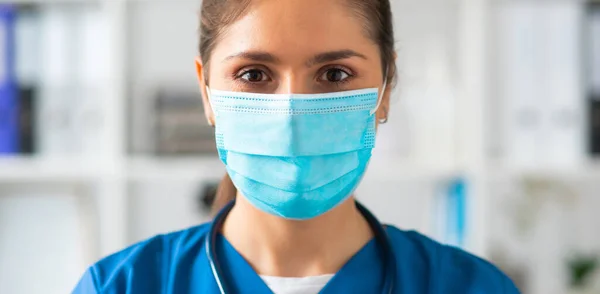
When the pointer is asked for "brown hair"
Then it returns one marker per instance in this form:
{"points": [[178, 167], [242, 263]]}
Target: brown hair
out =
{"points": [[216, 15]]}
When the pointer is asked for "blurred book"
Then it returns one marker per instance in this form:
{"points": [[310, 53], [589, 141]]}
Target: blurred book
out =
{"points": [[27, 120], [73, 73], [540, 81], [519, 81], [450, 213], [27, 63], [91, 69], [58, 29], [9, 122], [594, 125], [180, 125], [562, 97], [592, 41], [27, 40]]}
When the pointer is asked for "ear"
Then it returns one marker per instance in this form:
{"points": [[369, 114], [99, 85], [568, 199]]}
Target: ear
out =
{"points": [[383, 110], [208, 112], [382, 113]]}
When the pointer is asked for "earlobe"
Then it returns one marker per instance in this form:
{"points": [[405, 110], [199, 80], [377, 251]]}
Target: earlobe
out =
{"points": [[208, 112], [382, 113]]}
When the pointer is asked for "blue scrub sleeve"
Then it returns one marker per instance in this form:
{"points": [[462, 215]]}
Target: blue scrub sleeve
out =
{"points": [[509, 287], [87, 284]]}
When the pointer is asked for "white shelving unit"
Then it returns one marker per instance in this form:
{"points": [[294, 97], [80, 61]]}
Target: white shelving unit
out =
{"points": [[112, 173], [116, 167]]}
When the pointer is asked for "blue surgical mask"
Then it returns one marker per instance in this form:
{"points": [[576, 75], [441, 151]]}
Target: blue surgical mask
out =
{"points": [[296, 156]]}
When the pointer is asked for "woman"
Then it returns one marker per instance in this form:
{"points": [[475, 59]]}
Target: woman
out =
{"points": [[295, 90]]}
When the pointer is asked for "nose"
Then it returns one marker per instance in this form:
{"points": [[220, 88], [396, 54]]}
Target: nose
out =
{"points": [[292, 82]]}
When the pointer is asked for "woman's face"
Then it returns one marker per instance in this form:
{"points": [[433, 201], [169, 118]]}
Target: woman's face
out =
{"points": [[303, 47]]}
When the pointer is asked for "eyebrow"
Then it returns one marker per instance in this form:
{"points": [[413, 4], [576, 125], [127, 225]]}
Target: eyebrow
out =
{"points": [[258, 56], [261, 56], [333, 56]]}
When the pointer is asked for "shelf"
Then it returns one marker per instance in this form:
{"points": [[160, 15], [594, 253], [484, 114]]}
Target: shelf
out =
{"points": [[389, 168], [211, 168], [194, 168], [24, 169], [45, 2], [142, 168], [33, 169], [589, 170], [179, 1]]}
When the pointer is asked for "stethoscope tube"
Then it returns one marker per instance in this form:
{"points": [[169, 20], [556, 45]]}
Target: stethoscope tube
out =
{"points": [[211, 251], [378, 229], [389, 258]]}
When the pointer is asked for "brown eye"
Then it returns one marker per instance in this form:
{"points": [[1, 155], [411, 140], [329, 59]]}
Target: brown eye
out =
{"points": [[254, 76], [335, 75]]}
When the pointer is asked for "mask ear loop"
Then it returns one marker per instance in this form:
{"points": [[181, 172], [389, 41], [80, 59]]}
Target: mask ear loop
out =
{"points": [[212, 107], [380, 98], [209, 98]]}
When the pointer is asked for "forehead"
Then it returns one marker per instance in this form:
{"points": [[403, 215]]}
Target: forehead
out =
{"points": [[293, 29]]}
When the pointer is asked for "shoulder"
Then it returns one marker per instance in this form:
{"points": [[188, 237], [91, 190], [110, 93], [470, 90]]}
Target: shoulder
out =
{"points": [[445, 269], [151, 259]]}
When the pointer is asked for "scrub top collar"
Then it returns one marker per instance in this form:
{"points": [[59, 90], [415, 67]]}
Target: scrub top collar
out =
{"points": [[361, 274]]}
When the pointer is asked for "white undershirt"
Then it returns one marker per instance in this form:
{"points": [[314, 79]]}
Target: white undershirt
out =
{"points": [[307, 285]]}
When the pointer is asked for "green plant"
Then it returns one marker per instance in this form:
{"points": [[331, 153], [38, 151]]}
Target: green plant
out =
{"points": [[581, 267]]}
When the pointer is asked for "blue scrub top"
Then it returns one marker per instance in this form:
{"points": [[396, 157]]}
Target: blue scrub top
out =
{"points": [[177, 263]]}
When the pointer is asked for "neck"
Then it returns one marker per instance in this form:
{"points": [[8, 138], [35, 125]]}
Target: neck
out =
{"points": [[274, 246]]}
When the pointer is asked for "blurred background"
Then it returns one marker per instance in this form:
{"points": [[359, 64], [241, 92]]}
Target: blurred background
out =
{"points": [[492, 142]]}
